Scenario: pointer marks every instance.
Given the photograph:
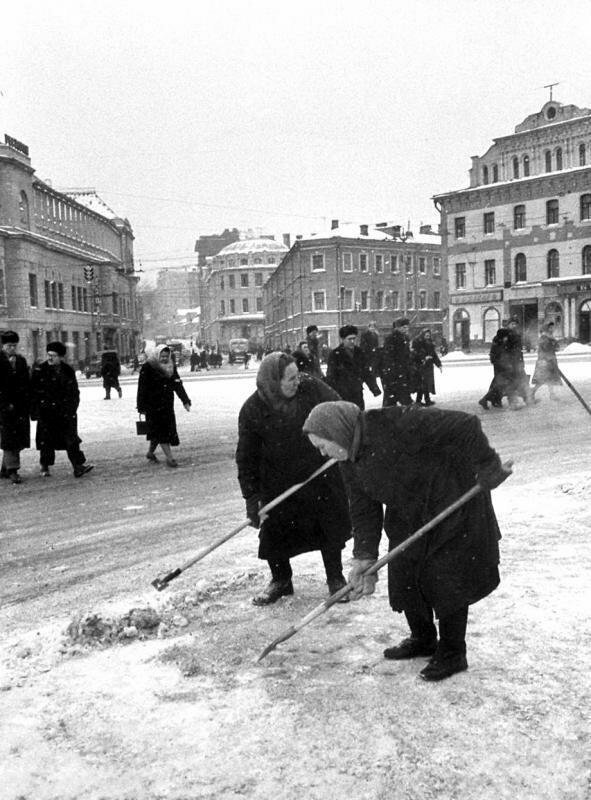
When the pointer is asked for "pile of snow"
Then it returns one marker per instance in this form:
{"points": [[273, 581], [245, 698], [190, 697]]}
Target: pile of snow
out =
{"points": [[576, 347]]}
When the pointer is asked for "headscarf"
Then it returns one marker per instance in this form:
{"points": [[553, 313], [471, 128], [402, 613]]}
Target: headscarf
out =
{"points": [[271, 371], [154, 360], [337, 421]]}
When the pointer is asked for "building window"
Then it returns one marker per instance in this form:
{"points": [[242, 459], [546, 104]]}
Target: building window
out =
{"points": [[436, 300], [515, 167], [232, 281], [80, 300], [23, 208], [232, 306], [519, 217], [489, 222], [317, 262], [346, 298], [244, 279], [222, 283], [259, 302], [436, 266], [245, 305], [526, 166], [423, 299], [379, 261], [74, 299], [582, 155], [409, 265], [380, 299], [460, 276], [410, 300], [394, 299], [559, 158], [47, 286], [257, 260], [520, 268], [491, 323], [490, 273], [485, 174], [552, 261], [587, 259], [422, 265], [222, 307], [319, 301], [495, 173], [362, 262], [364, 303], [271, 260], [243, 262], [586, 206], [552, 212], [460, 227], [258, 279], [33, 290], [2, 289], [347, 262], [394, 264], [85, 303], [548, 161]]}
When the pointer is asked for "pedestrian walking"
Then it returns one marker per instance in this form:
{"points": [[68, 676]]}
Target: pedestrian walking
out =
{"points": [[369, 342], [425, 358], [314, 348], [272, 455], [158, 383], [347, 369], [303, 359], [415, 465], [15, 432], [110, 371], [55, 398], [546, 371], [394, 365]]}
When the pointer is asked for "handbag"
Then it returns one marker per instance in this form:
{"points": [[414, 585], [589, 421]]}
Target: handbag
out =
{"points": [[141, 426]]}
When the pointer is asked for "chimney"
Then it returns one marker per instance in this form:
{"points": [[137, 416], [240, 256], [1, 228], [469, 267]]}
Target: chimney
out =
{"points": [[381, 225], [299, 236], [334, 224], [287, 239], [363, 230], [396, 231]]}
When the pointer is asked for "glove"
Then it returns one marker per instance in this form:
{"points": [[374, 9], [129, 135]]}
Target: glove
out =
{"points": [[492, 475], [252, 510], [362, 585]]}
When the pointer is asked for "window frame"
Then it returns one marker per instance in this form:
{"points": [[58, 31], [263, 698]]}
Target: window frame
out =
{"points": [[347, 262], [313, 257], [552, 211], [488, 222], [519, 213], [321, 292], [490, 270], [520, 268], [585, 207], [363, 262], [553, 263], [459, 227], [460, 275]]}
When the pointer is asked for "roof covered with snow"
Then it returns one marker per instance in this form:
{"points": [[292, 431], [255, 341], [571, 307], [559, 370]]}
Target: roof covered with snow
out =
{"points": [[90, 199], [350, 230], [246, 246]]}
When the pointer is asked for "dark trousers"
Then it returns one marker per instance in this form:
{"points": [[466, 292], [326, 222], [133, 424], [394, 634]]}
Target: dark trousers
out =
{"points": [[75, 454], [452, 630], [333, 565]]}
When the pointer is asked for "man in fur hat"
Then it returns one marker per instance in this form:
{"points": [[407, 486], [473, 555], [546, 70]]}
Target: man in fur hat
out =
{"points": [[394, 365], [348, 369], [54, 402], [14, 406]]}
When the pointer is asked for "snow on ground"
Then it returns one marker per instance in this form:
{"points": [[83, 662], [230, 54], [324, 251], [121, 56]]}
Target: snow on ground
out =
{"points": [[183, 710]]}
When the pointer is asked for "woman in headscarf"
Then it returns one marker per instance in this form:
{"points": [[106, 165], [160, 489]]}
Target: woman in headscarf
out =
{"points": [[416, 464], [424, 357], [272, 455], [546, 370], [157, 385]]}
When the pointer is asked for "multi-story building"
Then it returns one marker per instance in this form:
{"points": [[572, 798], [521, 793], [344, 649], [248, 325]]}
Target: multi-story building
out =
{"points": [[355, 274], [232, 290], [177, 292], [517, 241], [66, 266]]}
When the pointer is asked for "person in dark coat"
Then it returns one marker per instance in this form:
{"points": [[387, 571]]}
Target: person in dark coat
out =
{"points": [[394, 366], [55, 398], [503, 377], [157, 385], [272, 455], [15, 433], [416, 463], [546, 370], [314, 348], [347, 369], [424, 357], [369, 342], [110, 371], [303, 359]]}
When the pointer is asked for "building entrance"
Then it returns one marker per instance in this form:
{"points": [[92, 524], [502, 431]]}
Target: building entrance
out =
{"points": [[461, 329], [527, 316], [585, 322]]}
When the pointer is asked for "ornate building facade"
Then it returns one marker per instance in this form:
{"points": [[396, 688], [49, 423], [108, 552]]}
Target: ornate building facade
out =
{"points": [[66, 266], [517, 241]]}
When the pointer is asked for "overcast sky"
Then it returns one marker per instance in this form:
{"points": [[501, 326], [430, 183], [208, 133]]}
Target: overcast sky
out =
{"points": [[189, 117]]}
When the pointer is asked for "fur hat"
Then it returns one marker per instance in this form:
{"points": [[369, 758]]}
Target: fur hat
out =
{"points": [[9, 337], [57, 347], [399, 323], [311, 328], [348, 330]]}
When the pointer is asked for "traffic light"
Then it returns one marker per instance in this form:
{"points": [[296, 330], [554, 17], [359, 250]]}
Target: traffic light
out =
{"points": [[89, 273]]}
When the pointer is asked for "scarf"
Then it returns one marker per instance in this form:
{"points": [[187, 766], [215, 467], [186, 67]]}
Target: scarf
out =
{"points": [[337, 421], [269, 376], [154, 361]]}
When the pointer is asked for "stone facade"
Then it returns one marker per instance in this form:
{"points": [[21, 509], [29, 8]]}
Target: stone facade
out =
{"points": [[66, 268], [517, 241]]}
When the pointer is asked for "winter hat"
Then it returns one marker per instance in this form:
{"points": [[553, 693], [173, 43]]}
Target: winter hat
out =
{"points": [[335, 421], [57, 347], [311, 328], [10, 337], [348, 330], [399, 323], [269, 375]]}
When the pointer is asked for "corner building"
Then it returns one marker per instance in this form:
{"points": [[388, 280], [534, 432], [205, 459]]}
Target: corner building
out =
{"points": [[517, 241]]}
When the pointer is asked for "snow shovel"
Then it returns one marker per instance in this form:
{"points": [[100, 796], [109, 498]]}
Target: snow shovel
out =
{"points": [[334, 598], [162, 583], [573, 390]]}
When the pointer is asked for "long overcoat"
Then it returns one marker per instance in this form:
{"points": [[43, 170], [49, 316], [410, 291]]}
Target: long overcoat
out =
{"points": [[424, 357], [416, 462], [272, 455], [155, 398], [15, 428], [546, 369], [394, 369], [347, 371], [54, 404]]}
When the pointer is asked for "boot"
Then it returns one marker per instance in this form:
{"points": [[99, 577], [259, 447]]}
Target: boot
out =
{"points": [[274, 591], [450, 656], [422, 640], [82, 469], [444, 666]]}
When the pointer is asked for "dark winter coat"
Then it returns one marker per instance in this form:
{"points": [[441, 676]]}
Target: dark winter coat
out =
{"points": [[546, 369], [304, 362], [424, 357], [314, 347], [347, 371], [394, 369], [272, 455], [110, 372], [54, 402], [155, 398], [416, 462], [15, 433], [369, 342]]}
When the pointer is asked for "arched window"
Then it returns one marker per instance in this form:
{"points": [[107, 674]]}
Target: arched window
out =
{"points": [[559, 158], [243, 262], [485, 174], [515, 167], [586, 206], [23, 208], [520, 268], [552, 262], [526, 166], [587, 259], [495, 173], [548, 160], [491, 322], [582, 155], [552, 212], [519, 217], [258, 260]]}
